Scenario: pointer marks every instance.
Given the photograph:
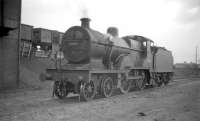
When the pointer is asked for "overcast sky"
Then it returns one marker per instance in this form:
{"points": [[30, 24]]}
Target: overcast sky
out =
{"points": [[174, 24]]}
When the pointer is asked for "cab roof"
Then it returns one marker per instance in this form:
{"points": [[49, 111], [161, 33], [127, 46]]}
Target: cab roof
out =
{"points": [[137, 37]]}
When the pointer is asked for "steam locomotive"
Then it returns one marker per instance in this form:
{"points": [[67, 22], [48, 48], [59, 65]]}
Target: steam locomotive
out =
{"points": [[100, 63]]}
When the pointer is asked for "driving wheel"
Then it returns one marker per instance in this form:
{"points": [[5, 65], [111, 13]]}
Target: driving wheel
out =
{"points": [[140, 83], [107, 87], [88, 91], [124, 85]]}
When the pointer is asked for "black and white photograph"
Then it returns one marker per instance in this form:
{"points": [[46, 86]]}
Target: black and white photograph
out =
{"points": [[99, 60]]}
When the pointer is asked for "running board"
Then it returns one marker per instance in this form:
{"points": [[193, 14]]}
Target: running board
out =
{"points": [[135, 77]]}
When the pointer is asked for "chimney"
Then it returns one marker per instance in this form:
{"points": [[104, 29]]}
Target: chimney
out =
{"points": [[113, 31], [85, 22]]}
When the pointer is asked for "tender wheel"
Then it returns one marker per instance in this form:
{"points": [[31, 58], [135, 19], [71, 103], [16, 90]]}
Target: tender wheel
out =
{"points": [[158, 81], [125, 86], [107, 87], [140, 83], [88, 91], [60, 89], [167, 79]]}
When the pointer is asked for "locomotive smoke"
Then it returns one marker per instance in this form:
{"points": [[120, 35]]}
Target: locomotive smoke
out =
{"points": [[84, 13]]}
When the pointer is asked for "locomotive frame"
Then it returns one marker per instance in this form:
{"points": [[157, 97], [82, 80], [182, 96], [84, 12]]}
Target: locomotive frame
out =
{"points": [[93, 82]]}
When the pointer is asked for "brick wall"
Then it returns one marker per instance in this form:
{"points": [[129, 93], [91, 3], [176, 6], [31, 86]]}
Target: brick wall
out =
{"points": [[9, 64]]}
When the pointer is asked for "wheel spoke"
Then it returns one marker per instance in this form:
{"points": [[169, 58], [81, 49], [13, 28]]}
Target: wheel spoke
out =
{"points": [[158, 81], [88, 91], [60, 89], [166, 79], [107, 87], [124, 87], [140, 83]]}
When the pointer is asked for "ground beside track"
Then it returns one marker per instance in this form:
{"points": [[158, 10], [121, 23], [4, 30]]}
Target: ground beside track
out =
{"points": [[179, 101]]}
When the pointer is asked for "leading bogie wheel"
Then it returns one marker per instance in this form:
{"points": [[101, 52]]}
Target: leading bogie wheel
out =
{"points": [[107, 87], [60, 89], [88, 91]]}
